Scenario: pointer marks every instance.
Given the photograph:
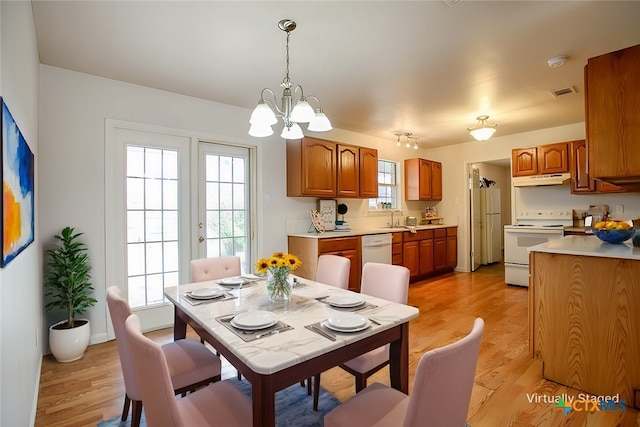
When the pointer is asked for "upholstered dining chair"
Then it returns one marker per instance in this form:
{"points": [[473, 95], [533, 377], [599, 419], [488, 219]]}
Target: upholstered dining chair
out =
{"points": [[213, 268], [386, 281], [333, 270], [440, 397], [191, 364], [218, 404]]}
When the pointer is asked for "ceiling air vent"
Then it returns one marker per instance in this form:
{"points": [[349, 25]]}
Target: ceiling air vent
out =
{"points": [[563, 91], [451, 2]]}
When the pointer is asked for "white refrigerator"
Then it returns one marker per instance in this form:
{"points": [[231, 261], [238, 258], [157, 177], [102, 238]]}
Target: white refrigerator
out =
{"points": [[491, 225]]}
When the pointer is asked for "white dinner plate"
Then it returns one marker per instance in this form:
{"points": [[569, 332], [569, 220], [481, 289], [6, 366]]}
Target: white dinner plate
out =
{"points": [[347, 323], [252, 320], [206, 293], [231, 281], [344, 300]]}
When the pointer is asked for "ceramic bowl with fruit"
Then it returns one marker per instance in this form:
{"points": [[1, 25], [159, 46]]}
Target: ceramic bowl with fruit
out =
{"points": [[613, 231]]}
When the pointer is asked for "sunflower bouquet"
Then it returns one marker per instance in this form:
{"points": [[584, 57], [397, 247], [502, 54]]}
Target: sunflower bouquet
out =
{"points": [[277, 269]]}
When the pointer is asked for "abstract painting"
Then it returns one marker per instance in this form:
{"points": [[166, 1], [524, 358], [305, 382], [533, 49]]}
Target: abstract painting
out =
{"points": [[18, 185]]}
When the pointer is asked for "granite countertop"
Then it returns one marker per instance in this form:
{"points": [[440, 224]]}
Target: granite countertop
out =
{"points": [[588, 246], [365, 231]]}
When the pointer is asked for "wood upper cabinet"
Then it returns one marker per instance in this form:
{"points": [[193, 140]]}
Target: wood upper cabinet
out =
{"points": [[612, 119], [321, 168], [524, 161], [422, 179], [551, 158], [348, 180], [311, 167], [368, 173], [581, 181]]}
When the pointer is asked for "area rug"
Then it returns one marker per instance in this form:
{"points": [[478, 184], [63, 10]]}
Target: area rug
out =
{"points": [[294, 408]]}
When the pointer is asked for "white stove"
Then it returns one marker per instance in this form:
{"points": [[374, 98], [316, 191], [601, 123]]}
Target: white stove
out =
{"points": [[533, 228]]}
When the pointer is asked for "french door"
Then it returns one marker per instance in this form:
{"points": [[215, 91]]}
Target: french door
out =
{"points": [[159, 183]]}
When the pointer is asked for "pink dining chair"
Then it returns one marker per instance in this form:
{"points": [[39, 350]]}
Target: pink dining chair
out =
{"points": [[441, 391], [218, 404], [191, 364], [385, 281], [333, 270], [212, 268]]}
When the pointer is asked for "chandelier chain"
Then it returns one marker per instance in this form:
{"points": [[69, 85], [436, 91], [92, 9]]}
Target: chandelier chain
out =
{"points": [[286, 82]]}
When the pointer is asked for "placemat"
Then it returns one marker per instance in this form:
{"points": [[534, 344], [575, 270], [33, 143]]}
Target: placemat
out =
{"points": [[195, 301], [248, 336]]}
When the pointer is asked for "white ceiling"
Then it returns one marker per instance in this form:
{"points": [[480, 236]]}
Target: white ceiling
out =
{"points": [[378, 67]]}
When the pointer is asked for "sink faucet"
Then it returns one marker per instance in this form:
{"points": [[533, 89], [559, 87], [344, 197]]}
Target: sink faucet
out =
{"points": [[392, 212]]}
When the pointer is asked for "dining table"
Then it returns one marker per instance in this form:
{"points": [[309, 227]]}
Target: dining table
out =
{"points": [[300, 337]]}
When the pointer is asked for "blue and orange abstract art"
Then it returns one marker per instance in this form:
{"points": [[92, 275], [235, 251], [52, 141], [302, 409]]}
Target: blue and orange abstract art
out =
{"points": [[18, 186]]}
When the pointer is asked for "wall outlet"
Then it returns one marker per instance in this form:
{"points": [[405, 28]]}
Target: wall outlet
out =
{"points": [[618, 209]]}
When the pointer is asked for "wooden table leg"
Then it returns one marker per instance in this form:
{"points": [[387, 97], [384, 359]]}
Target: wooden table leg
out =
{"points": [[179, 325], [399, 361], [264, 403]]}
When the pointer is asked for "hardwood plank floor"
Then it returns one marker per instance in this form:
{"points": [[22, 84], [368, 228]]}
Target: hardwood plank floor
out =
{"points": [[508, 391]]}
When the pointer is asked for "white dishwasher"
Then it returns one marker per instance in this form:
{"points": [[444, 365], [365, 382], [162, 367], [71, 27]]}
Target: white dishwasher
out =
{"points": [[376, 248]]}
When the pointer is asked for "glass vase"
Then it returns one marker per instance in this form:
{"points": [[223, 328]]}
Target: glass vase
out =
{"points": [[278, 284]]}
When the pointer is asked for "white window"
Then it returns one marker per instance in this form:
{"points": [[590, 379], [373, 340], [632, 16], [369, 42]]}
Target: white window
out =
{"points": [[387, 186]]}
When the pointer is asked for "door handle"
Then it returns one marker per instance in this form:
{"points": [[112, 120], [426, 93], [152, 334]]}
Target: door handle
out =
{"points": [[201, 239]]}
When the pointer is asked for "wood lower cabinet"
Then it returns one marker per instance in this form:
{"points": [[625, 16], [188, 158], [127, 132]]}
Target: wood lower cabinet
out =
{"points": [[429, 252], [396, 248], [452, 247], [440, 249], [309, 249]]}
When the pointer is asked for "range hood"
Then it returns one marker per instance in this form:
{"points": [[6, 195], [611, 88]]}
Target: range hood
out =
{"points": [[538, 180]]}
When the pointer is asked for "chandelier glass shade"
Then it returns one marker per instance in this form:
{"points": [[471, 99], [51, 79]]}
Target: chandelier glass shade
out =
{"points": [[482, 130], [263, 116]]}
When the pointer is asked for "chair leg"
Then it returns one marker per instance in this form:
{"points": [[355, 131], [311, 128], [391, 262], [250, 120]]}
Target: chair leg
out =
{"points": [[136, 413], [125, 410], [316, 391], [309, 386]]}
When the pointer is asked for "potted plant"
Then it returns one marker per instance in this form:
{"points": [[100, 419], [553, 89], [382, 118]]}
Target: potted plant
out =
{"points": [[68, 288]]}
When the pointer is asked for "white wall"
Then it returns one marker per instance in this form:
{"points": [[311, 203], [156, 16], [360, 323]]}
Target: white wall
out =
{"points": [[455, 203], [21, 280]]}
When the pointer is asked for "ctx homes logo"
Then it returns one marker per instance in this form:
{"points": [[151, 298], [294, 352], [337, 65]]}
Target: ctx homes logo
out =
{"points": [[588, 403]]}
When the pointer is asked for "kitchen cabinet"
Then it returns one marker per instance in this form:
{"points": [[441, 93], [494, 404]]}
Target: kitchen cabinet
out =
{"points": [[612, 119], [581, 181], [311, 167], [308, 250], [422, 179], [396, 248], [452, 247], [321, 168], [431, 251], [440, 249], [545, 159]]}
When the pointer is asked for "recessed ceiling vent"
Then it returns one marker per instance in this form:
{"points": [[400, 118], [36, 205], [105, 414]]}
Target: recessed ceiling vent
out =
{"points": [[563, 91], [451, 2]]}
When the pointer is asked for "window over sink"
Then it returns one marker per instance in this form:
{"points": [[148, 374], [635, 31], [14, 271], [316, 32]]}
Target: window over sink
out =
{"points": [[387, 186]]}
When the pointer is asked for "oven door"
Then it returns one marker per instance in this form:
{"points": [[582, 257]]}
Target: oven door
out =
{"points": [[517, 240]]}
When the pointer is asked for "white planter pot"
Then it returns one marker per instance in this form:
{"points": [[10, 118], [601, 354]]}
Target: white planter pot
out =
{"points": [[68, 345]]}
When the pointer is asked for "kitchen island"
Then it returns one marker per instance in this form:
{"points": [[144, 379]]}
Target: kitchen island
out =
{"points": [[584, 315]]}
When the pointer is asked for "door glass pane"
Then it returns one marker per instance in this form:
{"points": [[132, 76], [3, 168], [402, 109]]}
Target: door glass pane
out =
{"points": [[152, 223]]}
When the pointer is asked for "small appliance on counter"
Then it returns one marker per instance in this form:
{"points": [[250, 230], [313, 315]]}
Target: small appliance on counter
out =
{"points": [[595, 214], [411, 221]]}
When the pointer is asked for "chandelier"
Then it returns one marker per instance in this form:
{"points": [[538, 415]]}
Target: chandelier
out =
{"points": [[263, 116], [409, 137], [482, 130]]}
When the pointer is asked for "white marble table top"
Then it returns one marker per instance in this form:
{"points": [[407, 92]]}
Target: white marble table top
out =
{"points": [[588, 246], [273, 353]]}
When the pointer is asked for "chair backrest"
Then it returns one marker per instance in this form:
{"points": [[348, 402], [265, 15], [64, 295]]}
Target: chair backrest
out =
{"points": [[443, 382], [119, 310], [333, 270], [152, 372], [386, 281], [213, 268]]}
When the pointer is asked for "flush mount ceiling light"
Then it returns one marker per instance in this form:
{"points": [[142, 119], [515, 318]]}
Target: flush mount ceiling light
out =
{"points": [[409, 137], [263, 117], [557, 61], [482, 130]]}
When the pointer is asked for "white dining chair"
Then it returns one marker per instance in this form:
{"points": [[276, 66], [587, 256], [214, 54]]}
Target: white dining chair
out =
{"points": [[333, 270], [213, 268], [218, 404], [385, 281], [440, 397], [190, 363]]}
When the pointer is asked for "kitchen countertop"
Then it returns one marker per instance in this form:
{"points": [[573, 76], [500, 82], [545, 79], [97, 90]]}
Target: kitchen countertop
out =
{"points": [[588, 246], [365, 231]]}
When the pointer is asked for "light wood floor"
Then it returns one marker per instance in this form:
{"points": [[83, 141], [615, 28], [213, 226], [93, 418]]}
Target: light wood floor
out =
{"points": [[87, 391]]}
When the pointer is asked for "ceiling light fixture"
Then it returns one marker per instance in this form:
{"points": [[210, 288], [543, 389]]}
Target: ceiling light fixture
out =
{"points": [[263, 117], [482, 130], [409, 137], [557, 61]]}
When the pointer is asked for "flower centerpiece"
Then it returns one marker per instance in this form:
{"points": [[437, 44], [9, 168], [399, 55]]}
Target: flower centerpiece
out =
{"points": [[277, 269]]}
